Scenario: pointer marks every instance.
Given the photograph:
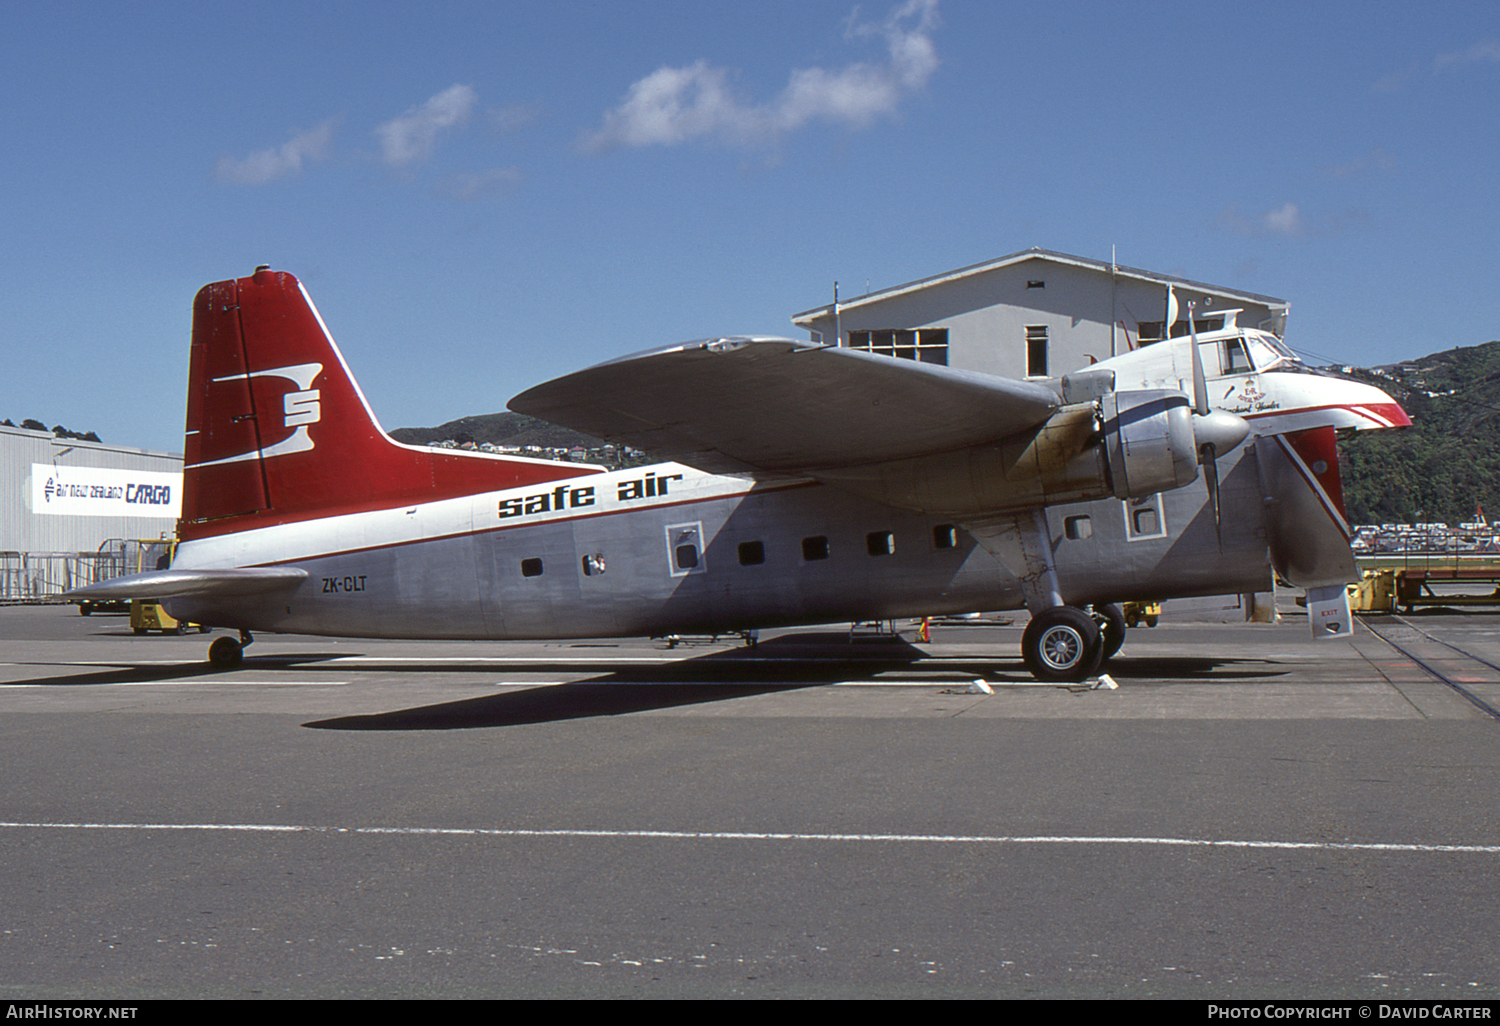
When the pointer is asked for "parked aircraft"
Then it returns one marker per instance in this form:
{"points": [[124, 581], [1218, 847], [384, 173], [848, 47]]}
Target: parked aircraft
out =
{"points": [[807, 484]]}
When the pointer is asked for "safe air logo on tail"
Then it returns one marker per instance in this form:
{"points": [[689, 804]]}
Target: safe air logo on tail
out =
{"points": [[278, 430], [301, 408]]}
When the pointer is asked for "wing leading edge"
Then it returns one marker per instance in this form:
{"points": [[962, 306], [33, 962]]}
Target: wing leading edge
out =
{"points": [[778, 406]]}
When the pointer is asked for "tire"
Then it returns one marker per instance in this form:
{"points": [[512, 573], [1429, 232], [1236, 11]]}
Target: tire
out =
{"points": [[225, 653], [1111, 627], [1062, 644]]}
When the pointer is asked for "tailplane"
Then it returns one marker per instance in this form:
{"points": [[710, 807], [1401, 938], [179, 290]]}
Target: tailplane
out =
{"points": [[278, 430]]}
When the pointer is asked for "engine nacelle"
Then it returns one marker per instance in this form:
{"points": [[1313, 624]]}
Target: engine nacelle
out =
{"points": [[1148, 442]]}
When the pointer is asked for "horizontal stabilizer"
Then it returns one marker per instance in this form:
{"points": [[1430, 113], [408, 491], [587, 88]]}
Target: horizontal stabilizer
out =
{"points": [[163, 584]]}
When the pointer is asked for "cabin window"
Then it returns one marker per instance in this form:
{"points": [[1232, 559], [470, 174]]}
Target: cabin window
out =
{"points": [[945, 536], [686, 556], [531, 568], [1078, 528], [1236, 360], [814, 548], [880, 543], [1036, 350], [752, 553], [1144, 519], [593, 564], [924, 345]]}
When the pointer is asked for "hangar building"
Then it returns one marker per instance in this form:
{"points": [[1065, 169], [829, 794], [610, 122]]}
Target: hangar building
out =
{"points": [[1032, 314], [62, 499]]}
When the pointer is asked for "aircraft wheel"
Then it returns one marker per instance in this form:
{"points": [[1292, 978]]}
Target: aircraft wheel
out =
{"points": [[1062, 644], [1111, 627], [225, 653]]}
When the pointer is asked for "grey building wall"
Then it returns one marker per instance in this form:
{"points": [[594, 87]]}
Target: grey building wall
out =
{"points": [[987, 309]]}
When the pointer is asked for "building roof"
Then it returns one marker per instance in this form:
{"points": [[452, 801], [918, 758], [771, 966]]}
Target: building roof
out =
{"points": [[807, 317]]}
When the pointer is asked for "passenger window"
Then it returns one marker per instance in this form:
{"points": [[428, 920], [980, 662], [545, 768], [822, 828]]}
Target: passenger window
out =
{"points": [[1078, 528], [945, 536], [531, 568], [814, 548], [1144, 519], [593, 564], [880, 543], [686, 556], [752, 553]]}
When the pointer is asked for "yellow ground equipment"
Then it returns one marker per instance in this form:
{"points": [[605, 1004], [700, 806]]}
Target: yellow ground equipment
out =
{"points": [[1375, 592], [1141, 613]]}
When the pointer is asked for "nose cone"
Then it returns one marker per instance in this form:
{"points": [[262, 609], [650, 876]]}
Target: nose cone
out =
{"points": [[1374, 409], [1302, 399]]}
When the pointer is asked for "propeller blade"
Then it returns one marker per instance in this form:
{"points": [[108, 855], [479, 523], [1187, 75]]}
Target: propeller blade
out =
{"points": [[1209, 458], [1200, 382]]}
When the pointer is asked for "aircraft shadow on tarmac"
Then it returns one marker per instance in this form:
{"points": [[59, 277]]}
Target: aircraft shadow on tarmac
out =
{"points": [[786, 663], [796, 662]]}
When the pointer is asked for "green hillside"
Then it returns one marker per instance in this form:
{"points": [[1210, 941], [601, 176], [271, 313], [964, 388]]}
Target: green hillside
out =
{"points": [[1447, 463], [498, 429]]}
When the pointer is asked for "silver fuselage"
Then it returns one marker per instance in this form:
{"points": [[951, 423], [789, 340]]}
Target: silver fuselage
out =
{"points": [[668, 549]]}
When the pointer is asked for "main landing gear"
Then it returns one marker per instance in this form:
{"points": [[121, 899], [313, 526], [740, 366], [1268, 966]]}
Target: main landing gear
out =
{"points": [[226, 652], [1068, 644]]}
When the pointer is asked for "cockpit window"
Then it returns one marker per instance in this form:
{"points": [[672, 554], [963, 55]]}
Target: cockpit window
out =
{"points": [[1235, 359], [1267, 351]]}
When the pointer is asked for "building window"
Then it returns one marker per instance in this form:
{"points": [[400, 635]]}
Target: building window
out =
{"points": [[752, 553], [925, 345], [880, 543], [1036, 350], [531, 568], [814, 548], [1151, 331]]}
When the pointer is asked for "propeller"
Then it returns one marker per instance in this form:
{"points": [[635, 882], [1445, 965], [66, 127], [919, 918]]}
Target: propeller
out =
{"points": [[1215, 432]]}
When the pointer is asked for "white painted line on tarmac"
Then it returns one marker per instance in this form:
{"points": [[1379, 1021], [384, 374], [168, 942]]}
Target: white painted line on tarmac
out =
{"points": [[177, 683], [693, 835]]}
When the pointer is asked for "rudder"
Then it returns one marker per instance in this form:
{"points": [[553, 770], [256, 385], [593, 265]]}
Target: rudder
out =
{"points": [[278, 430]]}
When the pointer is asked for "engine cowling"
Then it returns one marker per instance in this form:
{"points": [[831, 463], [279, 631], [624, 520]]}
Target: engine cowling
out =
{"points": [[1148, 441]]}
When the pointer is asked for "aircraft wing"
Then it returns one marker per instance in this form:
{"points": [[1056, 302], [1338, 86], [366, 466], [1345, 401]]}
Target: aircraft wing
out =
{"points": [[778, 406], [163, 584]]}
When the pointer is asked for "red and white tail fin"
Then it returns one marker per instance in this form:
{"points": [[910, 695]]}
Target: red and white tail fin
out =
{"points": [[277, 429]]}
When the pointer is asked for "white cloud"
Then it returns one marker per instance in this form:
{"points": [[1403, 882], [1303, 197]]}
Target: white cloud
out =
{"points": [[268, 165], [413, 136], [1288, 220], [673, 105], [1284, 220], [1484, 51]]}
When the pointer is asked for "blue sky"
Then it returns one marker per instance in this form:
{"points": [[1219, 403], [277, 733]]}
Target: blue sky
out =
{"points": [[480, 196]]}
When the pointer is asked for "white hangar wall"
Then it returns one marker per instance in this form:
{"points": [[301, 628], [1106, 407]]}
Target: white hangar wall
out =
{"points": [[66, 495], [1000, 316]]}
